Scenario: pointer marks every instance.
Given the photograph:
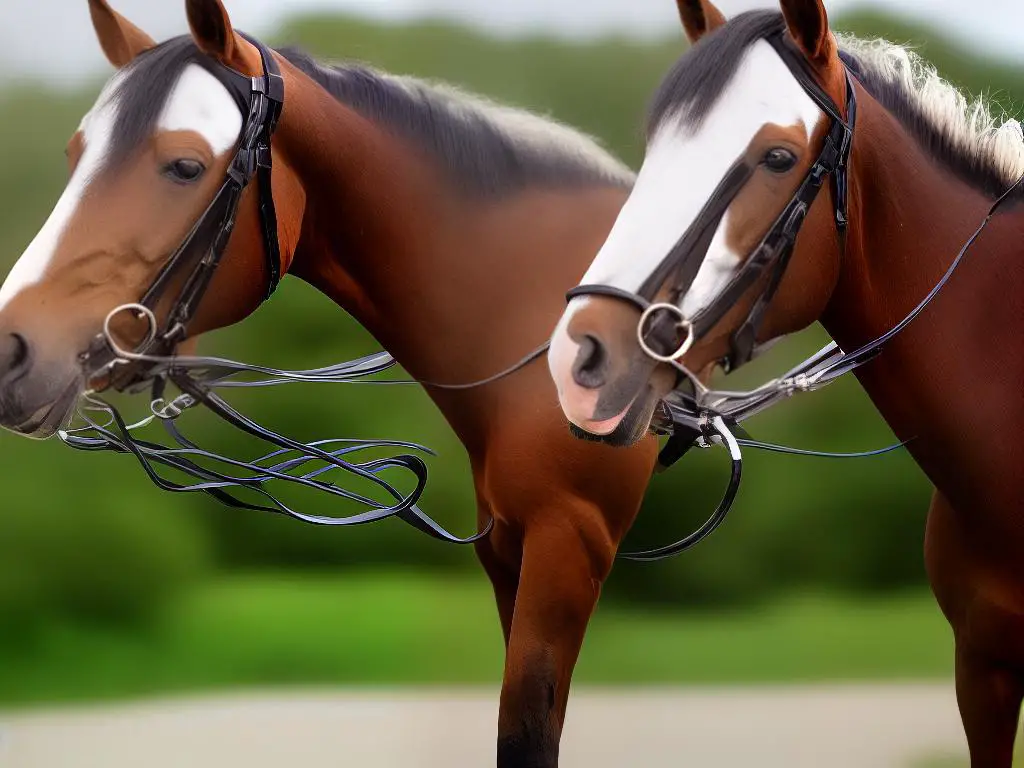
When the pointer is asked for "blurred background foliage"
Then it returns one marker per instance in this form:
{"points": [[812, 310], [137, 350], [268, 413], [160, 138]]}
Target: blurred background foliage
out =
{"points": [[88, 545]]}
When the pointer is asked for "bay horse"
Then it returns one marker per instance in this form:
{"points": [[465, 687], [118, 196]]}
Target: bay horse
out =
{"points": [[731, 238], [449, 226]]}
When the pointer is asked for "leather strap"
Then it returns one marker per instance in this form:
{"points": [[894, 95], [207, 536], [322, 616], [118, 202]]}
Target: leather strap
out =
{"points": [[600, 289]]}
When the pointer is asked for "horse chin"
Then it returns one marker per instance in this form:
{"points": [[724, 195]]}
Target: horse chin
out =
{"points": [[47, 420], [631, 428]]}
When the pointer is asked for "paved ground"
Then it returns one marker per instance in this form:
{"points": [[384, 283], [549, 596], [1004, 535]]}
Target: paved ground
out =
{"points": [[846, 727]]}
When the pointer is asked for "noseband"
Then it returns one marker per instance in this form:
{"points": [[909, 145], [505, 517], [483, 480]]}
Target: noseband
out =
{"points": [[679, 268]]}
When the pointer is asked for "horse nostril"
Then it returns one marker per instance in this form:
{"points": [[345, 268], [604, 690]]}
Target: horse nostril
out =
{"points": [[591, 367], [15, 357]]}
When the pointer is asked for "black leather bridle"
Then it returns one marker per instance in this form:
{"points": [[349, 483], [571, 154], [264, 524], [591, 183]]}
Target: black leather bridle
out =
{"points": [[260, 99], [679, 268], [705, 417], [153, 362]]}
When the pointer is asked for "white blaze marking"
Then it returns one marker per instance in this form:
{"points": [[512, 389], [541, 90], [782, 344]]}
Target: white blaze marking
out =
{"points": [[682, 170], [97, 127], [198, 102], [714, 274]]}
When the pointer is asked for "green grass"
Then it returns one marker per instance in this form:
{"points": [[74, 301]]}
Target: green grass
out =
{"points": [[420, 630]]}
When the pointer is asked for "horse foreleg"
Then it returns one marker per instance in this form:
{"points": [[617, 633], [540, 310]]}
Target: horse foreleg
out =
{"points": [[989, 686], [500, 554], [989, 698], [566, 557]]}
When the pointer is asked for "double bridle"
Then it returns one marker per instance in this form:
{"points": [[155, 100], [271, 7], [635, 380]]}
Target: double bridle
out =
{"points": [[678, 270], [154, 362], [706, 417]]}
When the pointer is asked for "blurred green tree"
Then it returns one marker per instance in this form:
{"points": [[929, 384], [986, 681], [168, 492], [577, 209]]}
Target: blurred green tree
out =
{"points": [[102, 544]]}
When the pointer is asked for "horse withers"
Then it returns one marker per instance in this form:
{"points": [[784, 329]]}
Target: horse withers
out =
{"points": [[448, 225], [792, 176]]}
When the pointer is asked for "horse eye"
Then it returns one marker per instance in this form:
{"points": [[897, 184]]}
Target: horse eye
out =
{"points": [[779, 160], [184, 171]]}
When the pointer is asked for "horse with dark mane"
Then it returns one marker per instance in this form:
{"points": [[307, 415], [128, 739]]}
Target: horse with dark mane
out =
{"points": [[754, 215], [449, 226]]}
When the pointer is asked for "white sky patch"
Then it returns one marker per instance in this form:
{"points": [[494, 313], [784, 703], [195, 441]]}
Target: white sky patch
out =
{"points": [[32, 45], [682, 170]]}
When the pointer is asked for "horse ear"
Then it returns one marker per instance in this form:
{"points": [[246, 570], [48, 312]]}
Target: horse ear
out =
{"points": [[214, 35], [808, 26], [120, 40], [699, 17]]}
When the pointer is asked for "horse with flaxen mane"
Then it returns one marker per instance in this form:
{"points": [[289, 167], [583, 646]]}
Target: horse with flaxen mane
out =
{"points": [[450, 227], [910, 255]]}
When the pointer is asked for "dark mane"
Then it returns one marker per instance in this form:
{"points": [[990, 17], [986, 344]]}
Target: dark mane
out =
{"points": [[487, 147], [142, 90], [967, 140], [484, 148]]}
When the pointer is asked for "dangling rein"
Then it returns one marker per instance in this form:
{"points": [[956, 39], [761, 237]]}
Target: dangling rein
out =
{"points": [[314, 465]]}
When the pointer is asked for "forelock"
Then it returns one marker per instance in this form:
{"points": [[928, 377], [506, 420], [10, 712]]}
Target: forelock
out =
{"points": [[694, 85], [142, 92]]}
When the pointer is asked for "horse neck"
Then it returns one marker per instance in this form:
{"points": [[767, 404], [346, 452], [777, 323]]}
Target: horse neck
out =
{"points": [[935, 382], [454, 286]]}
